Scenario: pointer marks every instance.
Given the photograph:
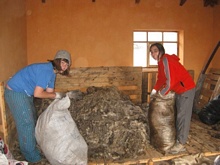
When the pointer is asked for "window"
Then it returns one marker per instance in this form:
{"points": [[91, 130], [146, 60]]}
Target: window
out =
{"points": [[142, 41]]}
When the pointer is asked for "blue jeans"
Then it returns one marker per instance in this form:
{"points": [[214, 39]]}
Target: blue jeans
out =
{"points": [[24, 114]]}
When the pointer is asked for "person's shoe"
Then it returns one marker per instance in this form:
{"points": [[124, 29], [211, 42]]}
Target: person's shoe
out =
{"points": [[177, 148]]}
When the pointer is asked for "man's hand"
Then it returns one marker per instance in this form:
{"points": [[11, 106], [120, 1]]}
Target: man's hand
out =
{"points": [[60, 95]]}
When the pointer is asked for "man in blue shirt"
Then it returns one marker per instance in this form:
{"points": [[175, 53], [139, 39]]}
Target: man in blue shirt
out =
{"points": [[35, 80]]}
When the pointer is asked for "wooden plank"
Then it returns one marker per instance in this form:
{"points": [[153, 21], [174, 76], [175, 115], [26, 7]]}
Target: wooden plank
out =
{"points": [[201, 133], [215, 70], [216, 91], [68, 85], [154, 153], [204, 98], [169, 157], [208, 89], [198, 145], [206, 92], [127, 76], [129, 88], [144, 87], [126, 79], [150, 70], [2, 114], [105, 70], [211, 153], [213, 77], [108, 80], [211, 82]]}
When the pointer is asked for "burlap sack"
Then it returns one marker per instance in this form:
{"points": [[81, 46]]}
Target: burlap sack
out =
{"points": [[162, 121]]}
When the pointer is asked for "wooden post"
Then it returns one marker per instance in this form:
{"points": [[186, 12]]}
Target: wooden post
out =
{"points": [[216, 91], [3, 124], [182, 2]]}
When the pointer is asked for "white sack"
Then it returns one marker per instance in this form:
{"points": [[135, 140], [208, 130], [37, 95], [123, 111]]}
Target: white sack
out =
{"points": [[3, 159], [58, 136], [6, 158]]}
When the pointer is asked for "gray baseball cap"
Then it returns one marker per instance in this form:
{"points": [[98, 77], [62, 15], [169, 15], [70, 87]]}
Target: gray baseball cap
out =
{"points": [[63, 54]]}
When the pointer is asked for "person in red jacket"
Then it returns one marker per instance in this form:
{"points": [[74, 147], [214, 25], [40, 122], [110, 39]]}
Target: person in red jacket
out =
{"points": [[172, 76]]}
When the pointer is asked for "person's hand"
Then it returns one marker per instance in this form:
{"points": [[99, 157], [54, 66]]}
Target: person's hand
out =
{"points": [[153, 92], [60, 95]]}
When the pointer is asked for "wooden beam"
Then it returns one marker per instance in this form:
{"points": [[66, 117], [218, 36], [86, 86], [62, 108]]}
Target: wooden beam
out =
{"points": [[3, 125], [211, 3], [210, 58], [182, 2], [206, 3]]}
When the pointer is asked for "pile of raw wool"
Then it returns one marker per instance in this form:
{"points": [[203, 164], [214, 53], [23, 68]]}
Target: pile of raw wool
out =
{"points": [[113, 127]]}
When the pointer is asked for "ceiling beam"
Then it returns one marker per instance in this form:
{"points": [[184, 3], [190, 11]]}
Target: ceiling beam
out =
{"points": [[211, 3], [182, 2]]}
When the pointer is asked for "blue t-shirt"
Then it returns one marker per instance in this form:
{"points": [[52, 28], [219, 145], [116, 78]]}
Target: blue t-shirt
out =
{"points": [[39, 74]]}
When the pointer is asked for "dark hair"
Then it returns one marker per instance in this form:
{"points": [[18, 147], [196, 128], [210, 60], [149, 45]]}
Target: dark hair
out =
{"points": [[56, 65], [160, 47]]}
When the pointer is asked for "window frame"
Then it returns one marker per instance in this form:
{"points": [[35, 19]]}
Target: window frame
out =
{"points": [[148, 43]]}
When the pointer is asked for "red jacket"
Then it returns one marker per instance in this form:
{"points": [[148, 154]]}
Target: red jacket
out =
{"points": [[172, 76]]}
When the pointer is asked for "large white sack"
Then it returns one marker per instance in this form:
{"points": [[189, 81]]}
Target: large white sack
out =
{"points": [[58, 136]]}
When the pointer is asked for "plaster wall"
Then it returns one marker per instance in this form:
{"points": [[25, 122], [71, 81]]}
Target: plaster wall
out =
{"points": [[13, 37], [216, 27], [100, 33]]}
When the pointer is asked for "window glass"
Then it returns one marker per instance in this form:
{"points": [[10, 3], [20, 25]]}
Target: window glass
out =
{"points": [[142, 41], [152, 61], [140, 36], [170, 48], [140, 58], [170, 36], [154, 36]]}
